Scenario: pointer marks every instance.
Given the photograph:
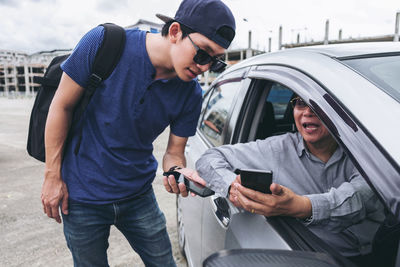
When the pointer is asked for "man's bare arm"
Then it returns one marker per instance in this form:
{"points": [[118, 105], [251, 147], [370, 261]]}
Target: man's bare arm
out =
{"points": [[54, 190]]}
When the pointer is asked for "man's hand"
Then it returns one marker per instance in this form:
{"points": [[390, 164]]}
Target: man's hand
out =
{"points": [[54, 193], [282, 201], [233, 193], [172, 186]]}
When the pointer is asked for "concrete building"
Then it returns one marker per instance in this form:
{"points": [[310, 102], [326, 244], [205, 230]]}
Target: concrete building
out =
{"points": [[146, 25], [10, 62], [17, 69]]}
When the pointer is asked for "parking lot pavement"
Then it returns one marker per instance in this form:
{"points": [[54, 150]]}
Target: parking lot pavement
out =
{"points": [[28, 237]]}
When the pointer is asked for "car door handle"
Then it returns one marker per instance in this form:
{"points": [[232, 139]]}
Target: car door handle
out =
{"points": [[221, 210]]}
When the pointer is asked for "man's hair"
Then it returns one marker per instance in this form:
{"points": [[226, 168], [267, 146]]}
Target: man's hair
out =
{"points": [[185, 30]]}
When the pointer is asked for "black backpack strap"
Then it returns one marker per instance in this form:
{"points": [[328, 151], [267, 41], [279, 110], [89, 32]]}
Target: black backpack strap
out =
{"points": [[110, 50], [107, 58]]}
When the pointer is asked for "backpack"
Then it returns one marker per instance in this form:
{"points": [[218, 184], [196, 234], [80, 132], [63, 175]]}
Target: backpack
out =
{"points": [[107, 57]]}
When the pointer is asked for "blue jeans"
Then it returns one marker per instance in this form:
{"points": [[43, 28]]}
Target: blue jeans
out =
{"points": [[87, 228]]}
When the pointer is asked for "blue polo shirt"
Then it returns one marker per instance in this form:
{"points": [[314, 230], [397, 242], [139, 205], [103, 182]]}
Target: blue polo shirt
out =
{"points": [[126, 114]]}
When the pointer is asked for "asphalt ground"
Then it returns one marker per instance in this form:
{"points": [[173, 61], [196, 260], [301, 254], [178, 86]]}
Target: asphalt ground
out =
{"points": [[27, 236]]}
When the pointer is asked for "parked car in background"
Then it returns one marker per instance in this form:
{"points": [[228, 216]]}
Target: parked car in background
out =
{"points": [[353, 88]]}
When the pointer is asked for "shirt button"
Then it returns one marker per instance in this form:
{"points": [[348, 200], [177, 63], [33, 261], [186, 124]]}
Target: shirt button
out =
{"points": [[141, 101]]}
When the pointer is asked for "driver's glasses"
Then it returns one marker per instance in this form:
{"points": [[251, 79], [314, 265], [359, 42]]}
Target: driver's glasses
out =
{"points": [[298, 103], [203, 58]]}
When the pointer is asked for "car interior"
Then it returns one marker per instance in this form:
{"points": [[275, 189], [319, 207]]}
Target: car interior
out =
{"points": [[277, 122], [269, 106]]}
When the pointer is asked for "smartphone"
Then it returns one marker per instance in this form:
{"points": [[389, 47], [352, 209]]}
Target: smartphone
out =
{"points": [[191, 186], [196, 188], [259, 180]]}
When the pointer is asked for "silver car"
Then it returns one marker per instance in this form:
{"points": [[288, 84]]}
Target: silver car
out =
{"points": [[353, 88]]}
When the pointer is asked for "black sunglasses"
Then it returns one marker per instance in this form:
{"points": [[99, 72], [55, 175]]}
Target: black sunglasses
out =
{"points": [[203, 58], [299, 103]]}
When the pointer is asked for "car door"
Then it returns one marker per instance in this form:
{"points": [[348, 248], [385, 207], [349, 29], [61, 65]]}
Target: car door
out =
{"points": [[222, 222], [212, 128], [264, 111]]}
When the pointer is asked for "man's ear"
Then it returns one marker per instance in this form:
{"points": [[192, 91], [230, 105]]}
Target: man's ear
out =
{"points": [[175, 32]]}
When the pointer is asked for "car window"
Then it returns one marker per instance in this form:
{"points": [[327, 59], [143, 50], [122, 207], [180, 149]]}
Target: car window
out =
{"points": [[383, 71], [279, 96], [276, 115], [216, 110]]}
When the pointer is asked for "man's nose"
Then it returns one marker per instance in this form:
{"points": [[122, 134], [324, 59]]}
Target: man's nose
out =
{"points": [[308, 111], [204, 68]]}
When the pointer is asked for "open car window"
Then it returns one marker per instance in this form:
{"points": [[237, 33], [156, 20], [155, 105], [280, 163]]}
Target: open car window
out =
{"points": [[276, 114], [269, 113]]}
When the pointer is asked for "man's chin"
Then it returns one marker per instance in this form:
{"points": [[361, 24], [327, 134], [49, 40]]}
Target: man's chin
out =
{"points": [[186, 78]]}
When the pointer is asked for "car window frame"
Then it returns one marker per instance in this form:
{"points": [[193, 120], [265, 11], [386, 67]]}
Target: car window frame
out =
{"points": [[235, 77], [370, 159]]}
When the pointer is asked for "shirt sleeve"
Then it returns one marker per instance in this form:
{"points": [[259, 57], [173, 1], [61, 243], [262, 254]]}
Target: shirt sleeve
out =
{"points": [[185, 125], [78, 65], [217, 165], [346, 205]]}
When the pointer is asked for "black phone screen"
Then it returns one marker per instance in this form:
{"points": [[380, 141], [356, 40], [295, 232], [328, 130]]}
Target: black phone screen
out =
{"points": [[258, 180], [198, 189]]}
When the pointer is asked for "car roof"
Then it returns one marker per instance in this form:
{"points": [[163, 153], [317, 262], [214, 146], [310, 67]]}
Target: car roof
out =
{"points": [[354, 49], [340, 51]]}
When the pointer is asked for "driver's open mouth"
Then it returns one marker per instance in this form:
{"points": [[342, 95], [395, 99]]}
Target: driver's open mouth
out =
{"points": [[310, 126]]}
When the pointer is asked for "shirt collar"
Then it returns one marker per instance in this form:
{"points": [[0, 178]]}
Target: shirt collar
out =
{"points": [[301, 149], [300, 145]]}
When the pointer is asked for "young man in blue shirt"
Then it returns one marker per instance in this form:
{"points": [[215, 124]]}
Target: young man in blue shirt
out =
{"points": [[108, 182]]}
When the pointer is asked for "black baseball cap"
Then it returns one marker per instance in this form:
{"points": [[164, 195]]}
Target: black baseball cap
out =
{"points": [[212, 18]]}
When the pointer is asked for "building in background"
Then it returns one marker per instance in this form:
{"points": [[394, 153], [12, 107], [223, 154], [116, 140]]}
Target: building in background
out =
{"points": [[145, 25], [17, 69]]}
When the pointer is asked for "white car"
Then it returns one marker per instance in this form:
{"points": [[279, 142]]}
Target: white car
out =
{"points": [[355, 90]]}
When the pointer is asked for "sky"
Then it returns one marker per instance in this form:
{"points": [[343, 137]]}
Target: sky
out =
{"points": [[43, 25]]}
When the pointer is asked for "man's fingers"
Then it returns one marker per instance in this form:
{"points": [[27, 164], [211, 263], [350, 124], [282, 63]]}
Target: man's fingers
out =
{"points": [[276, 189], [172, 183], [166, 184], [49, 210], [64, 204], [44, 206], [238, 179], [55, 214], [242, 200], [196, 178], [183, 190], [192, 175], [251, 194], [250, 205], [52, 211]]}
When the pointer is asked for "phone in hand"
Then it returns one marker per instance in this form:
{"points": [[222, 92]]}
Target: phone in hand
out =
{"points": [[196, 188], [191, 186], [259, 180]]}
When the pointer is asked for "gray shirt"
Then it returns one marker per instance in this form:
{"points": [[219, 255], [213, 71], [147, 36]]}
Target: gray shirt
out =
{"points": [[345, 211]]}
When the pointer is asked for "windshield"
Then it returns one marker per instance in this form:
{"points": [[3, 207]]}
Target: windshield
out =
{"points": [[382, 71]]}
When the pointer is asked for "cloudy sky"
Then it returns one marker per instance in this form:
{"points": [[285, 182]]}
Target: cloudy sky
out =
{"points": [[37, 25]]}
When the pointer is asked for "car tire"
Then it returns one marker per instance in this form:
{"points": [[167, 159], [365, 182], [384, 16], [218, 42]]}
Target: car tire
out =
{"points": [[180, 227]]}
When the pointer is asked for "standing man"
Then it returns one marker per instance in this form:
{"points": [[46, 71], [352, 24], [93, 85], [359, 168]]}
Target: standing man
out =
{"points": [[109, 181]]}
